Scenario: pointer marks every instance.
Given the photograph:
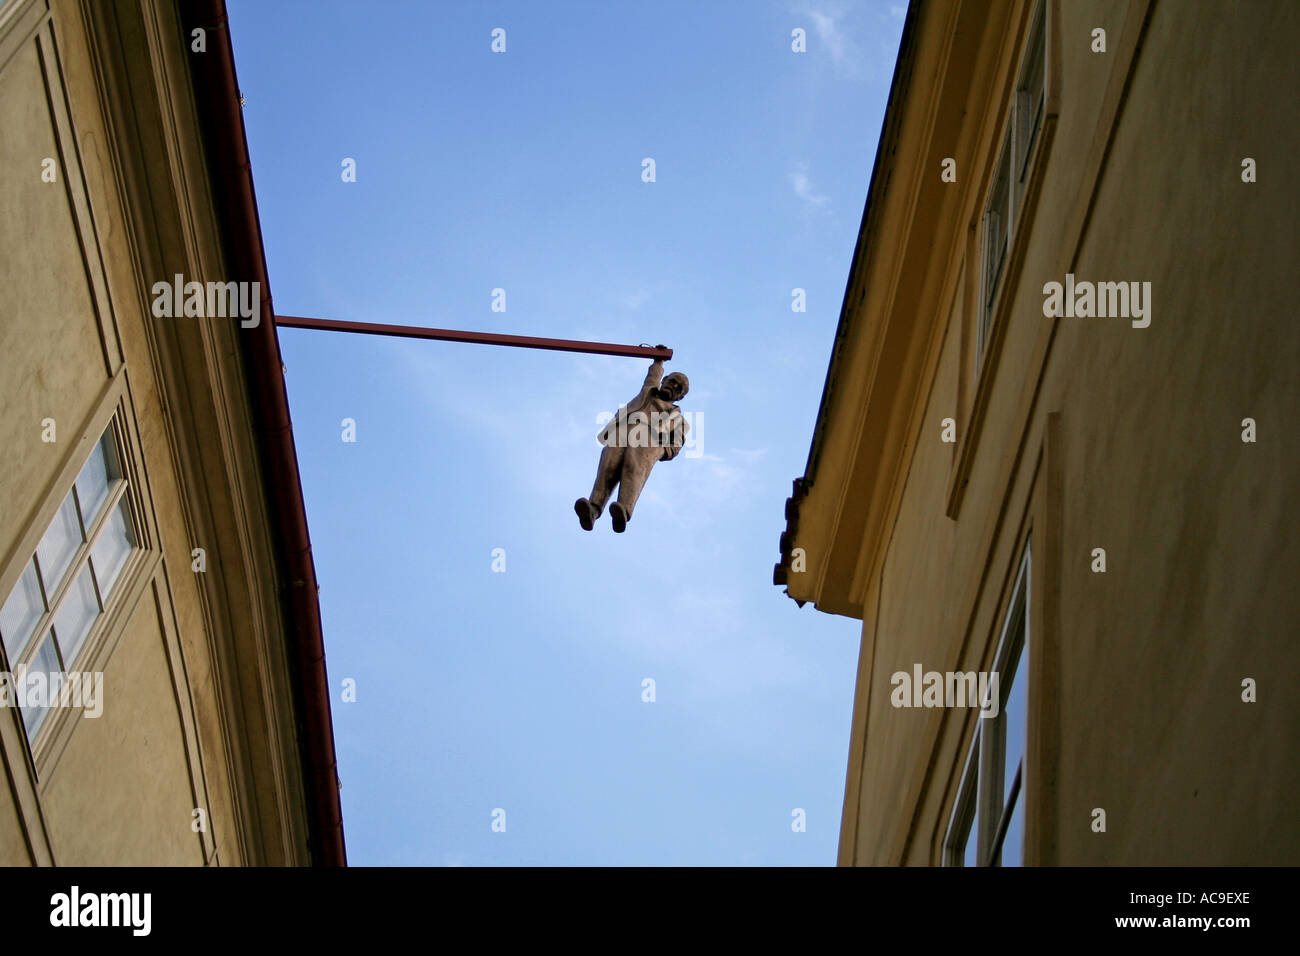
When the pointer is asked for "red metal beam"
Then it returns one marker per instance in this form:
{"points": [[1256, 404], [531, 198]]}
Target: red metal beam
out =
{"points": [[478, 338]]}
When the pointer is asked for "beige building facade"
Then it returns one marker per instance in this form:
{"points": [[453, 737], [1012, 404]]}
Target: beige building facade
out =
{"points": [[1057, 442], [152, 539]]}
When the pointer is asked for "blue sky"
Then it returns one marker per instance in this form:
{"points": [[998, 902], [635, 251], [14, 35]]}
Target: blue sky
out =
{"points": [[522, 690]]}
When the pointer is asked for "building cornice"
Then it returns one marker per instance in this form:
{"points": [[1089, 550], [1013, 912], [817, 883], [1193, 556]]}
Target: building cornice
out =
{"points": [[892, 319], [217, 99]]}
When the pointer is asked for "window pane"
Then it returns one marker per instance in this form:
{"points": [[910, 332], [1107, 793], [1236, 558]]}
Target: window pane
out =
{"points": [[21, 611], [93, 482], [59, 545], [1013, 844], [1037, 54], [969, 854], [46, 662], [994, 257], [999, 234], [963, 842], [112, 548], [1015, 713], [1032, 86], [1034, 81], [78, 613]]}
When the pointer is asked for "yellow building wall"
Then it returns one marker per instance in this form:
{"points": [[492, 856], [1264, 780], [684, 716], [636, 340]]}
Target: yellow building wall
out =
{"points": [[119, 789], [1198, 526], [53, 364], [13, 845], [1199, 591], [119, 795]]}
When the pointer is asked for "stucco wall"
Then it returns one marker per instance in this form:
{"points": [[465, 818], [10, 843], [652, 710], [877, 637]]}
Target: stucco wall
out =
{"points": [[1196, 524], [121, 788], [119, 795]]}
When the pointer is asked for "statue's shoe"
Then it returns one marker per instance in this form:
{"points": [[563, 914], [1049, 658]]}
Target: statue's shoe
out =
{"points": [[618, 517], [586, 513]]}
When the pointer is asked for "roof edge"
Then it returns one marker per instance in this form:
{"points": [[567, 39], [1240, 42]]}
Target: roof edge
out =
{"points": [[225, 145], [890, 128]]}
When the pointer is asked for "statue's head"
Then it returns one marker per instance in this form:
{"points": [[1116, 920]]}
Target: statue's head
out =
{"points": [[674, 386]]}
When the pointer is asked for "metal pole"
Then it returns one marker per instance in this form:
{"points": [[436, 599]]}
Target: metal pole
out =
{"points": [[479, 338]]}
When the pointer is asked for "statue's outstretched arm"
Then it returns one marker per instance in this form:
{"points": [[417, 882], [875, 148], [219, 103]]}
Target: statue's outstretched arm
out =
{"points": [[654, 376], [652, 380]]}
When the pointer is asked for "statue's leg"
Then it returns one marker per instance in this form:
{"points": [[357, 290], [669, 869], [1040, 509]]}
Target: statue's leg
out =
{"points": [[636, 468], [611, 463], [607, 472]]}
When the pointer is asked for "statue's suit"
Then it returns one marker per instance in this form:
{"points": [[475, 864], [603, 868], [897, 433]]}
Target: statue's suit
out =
{"points": [[646, 430]]}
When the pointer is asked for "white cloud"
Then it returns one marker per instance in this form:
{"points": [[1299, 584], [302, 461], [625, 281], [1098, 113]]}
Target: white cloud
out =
{"points": [[828, 25], [829, 34], [804, 189]]}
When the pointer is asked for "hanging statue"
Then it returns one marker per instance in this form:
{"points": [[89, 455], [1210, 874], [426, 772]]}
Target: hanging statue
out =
{"points": [[648, 429]]}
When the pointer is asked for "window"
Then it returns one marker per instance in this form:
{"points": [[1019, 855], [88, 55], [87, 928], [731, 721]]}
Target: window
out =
{"points": [[66, 585], [987, 826], [960, 847], [997, 243], [1031, 95], [1011, 176]]}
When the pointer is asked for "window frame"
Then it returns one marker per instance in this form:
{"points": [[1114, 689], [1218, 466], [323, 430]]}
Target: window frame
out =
{"points": [[981, 355], [1018, 142], [982, 809], [962, 820], [1013, 642], [119, 493]]}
